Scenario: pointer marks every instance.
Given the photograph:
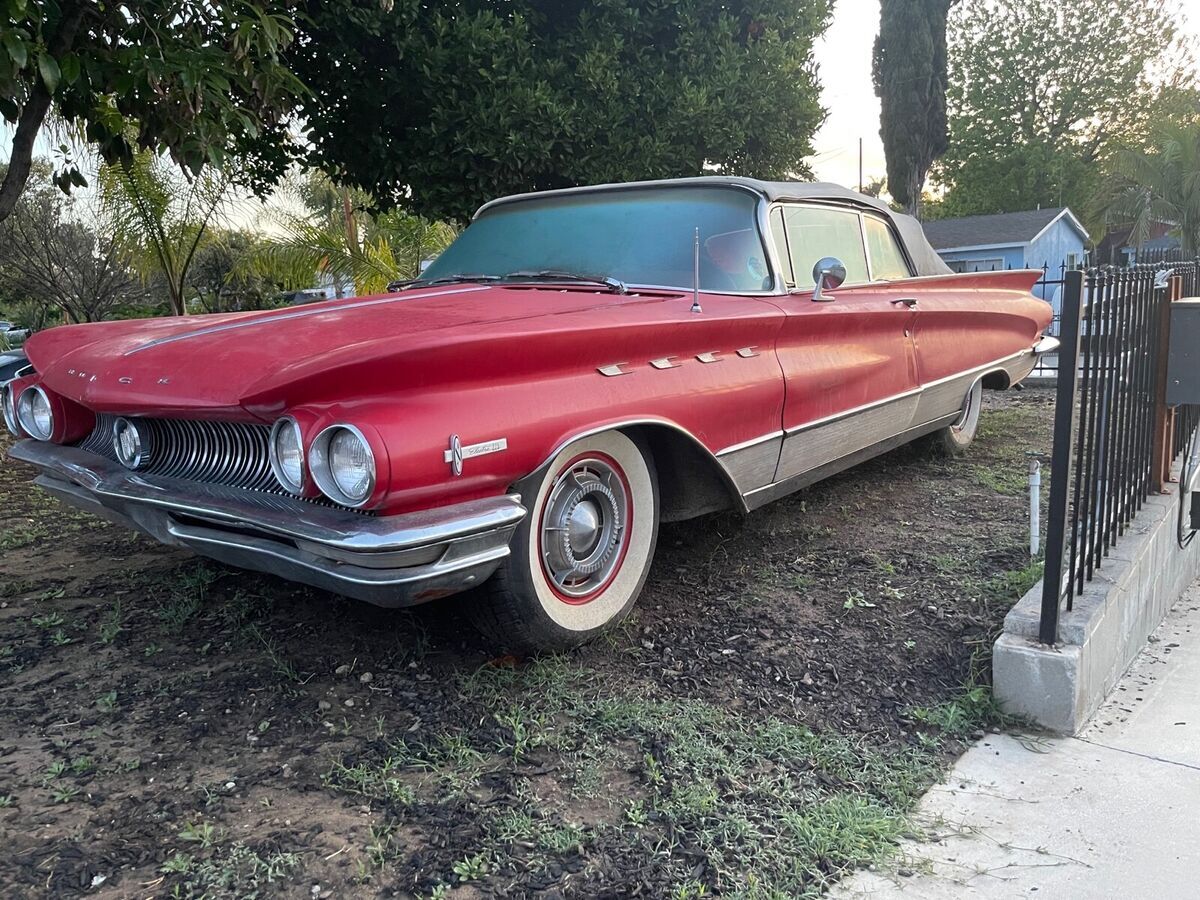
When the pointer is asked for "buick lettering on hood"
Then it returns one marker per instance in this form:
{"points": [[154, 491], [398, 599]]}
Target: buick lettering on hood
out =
{"points": [[577, 367]]}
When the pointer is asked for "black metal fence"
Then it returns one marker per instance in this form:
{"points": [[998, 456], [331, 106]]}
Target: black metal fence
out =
{"points": [[1051, 290], [1103, 466]]}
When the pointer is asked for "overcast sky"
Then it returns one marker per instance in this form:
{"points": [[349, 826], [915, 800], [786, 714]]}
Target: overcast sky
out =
{"points": [[844, 66]]}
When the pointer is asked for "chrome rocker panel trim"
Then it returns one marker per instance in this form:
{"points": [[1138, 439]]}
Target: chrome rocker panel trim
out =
{"points": [[389, 561]]}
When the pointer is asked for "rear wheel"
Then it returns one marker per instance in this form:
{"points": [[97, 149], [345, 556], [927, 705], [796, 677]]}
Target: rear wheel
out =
{"points": [[582, 554], [954, 439]]}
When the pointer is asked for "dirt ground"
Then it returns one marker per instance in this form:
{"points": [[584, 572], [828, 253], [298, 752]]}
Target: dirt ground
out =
{"points": [[789, 684]]}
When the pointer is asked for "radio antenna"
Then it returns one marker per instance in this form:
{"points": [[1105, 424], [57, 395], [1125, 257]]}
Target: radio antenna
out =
{"points": [[696, 273]]}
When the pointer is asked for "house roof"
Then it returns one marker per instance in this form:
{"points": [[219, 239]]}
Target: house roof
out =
{"points": [[997, 230]]}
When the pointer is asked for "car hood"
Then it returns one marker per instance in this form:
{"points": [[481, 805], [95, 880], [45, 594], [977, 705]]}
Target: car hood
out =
{"points": [[224, 364]]}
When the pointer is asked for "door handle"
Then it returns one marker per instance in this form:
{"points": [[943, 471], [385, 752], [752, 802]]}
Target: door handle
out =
{"points": [[910, 302]]}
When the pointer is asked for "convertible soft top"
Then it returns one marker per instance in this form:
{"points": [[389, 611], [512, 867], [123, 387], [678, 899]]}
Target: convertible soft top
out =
{"points": [[923, 256]]}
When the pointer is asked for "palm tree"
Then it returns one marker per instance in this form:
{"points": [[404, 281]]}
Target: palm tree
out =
{"points": [[328, 230], [1159, 183], [164, 215]]}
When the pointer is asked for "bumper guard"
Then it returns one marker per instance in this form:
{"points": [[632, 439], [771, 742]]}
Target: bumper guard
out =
{"points": [[390, 561]]}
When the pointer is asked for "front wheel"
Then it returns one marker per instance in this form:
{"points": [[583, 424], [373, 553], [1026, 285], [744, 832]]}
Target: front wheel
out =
{"points": [[582, 554]]}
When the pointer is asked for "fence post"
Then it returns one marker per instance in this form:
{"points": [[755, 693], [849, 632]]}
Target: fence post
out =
{"points": [[1060, 460], [1164, 419]]}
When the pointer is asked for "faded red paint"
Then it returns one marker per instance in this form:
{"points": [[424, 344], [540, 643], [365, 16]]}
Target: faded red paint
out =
{"points": [[520, 362]]}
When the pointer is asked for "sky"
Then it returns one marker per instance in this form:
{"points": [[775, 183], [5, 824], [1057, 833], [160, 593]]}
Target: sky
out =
{"points": [[843, 57]]}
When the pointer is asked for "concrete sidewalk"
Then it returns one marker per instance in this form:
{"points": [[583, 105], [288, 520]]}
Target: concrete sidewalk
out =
{"points": [[1114, 812]]}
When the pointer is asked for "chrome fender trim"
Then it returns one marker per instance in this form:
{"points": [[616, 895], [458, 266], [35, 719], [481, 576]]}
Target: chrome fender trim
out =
{"points": [[736, 493]]}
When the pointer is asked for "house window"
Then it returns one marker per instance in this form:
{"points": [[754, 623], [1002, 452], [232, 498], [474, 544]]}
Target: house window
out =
{"points": [[1072, 261]]}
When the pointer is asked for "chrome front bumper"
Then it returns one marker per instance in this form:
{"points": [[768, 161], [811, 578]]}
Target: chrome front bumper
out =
{"points": [[386, 560]]}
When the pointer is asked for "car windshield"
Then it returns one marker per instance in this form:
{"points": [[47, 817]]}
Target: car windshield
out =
{"points": [[640, 236]]}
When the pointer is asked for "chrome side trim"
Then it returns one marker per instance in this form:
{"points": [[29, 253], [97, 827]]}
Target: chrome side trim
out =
{"points": [[709, 356], [269, 319], [837, 417], [1046, 345], [665, 362], [613, 369], [768, 493], [750, 443]]}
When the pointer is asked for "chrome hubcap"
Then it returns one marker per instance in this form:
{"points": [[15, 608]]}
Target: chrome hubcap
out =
{"points": [[584, 526]]}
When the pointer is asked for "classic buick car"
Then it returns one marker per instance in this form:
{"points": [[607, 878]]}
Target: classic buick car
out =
{"points": [[578, 366]]}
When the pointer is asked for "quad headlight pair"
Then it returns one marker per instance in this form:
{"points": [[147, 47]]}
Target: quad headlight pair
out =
{"points": [[30, 413], [340, 461]]}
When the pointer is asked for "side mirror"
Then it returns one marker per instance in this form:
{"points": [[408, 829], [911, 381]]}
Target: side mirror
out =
{"points": [[828, 273]]}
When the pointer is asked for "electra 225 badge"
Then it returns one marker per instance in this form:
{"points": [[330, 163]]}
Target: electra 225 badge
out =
{"points": [[458, 453]]}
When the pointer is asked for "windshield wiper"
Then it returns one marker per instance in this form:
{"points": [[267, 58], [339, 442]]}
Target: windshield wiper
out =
{"points": [[448, 279], [613, 284]]}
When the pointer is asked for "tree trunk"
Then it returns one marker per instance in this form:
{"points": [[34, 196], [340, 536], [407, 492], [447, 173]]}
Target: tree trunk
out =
{"points": [[33, 114]]}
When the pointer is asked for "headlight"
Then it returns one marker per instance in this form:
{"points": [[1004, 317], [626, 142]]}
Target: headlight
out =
{"points": [[342, 465], [287, 454], [131, 442], [34, 413], [10, 410]]}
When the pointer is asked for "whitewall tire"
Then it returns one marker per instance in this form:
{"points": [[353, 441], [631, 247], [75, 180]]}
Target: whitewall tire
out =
{"points": [[955, 438], [581, 555]]}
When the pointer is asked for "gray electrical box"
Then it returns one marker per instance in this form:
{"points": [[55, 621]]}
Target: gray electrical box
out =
{"points": [[1183, 360]]}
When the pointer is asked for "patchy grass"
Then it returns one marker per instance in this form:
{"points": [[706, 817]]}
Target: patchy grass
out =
{"points": [[772, 808]]}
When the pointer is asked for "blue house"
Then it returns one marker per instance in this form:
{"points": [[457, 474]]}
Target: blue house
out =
{"points": [[1018, 240]]}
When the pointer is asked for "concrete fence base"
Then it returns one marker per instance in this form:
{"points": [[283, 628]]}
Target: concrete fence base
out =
{"points": [[1061, 686]]}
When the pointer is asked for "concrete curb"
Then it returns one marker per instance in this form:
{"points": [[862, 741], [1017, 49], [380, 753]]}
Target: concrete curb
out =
{"points": [[1060, 687]]}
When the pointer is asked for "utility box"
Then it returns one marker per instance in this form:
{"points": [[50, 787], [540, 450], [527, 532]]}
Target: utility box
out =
{"points": [[1183, 359]]}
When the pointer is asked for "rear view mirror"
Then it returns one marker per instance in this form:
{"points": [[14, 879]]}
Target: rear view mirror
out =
{"points": [[828, 273]]}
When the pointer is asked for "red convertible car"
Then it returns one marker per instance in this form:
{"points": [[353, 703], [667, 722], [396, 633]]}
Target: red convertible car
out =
{"points": [[577, 367]]}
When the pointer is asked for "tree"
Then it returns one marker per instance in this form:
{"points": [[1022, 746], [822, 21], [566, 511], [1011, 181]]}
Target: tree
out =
{"points": [[1159, 184], [164, 214], [1042, 93], [222, 278], [438, 105], [338, 235], [200, 79], [909, 71], [57, 251]]}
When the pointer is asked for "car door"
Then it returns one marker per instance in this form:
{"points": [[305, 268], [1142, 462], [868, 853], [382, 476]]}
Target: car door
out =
{"points": [[848, 363]]}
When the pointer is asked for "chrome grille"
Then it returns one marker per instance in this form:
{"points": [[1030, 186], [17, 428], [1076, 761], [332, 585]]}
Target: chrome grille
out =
{"points": [[229, 453]]}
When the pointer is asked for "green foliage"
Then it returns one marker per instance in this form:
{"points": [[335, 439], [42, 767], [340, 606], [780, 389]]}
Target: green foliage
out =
{"points": [[1158, 183], [61, 257], [222, 278], [440, 105], [1042, 93], [332, 231], [200, 80], [164, 217], [909, 71]]}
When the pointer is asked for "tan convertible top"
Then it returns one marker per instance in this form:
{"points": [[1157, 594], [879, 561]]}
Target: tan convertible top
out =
{"points": [[923, 256]]}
